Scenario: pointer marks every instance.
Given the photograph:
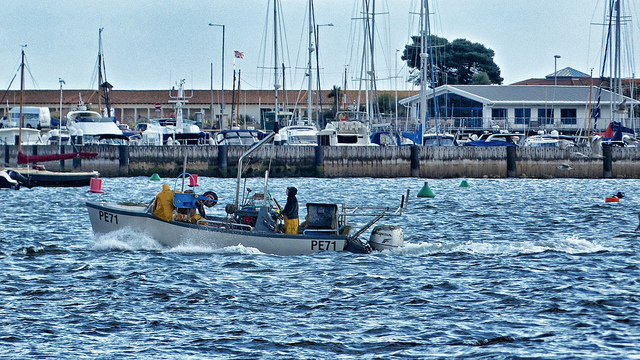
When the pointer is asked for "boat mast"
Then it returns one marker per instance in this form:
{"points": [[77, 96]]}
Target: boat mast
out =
{"points": [[100, 94], [276, 84], [423, 77], [21, 102], [309, 70], [617, 72], [432, 74]]}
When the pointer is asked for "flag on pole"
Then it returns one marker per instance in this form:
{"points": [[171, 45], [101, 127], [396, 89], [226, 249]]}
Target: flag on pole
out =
{"points": [[238, 54]]}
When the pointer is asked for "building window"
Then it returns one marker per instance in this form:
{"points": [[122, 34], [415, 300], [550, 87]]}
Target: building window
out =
{"points": [[498, 114], [545, 116], [569, 116], [522, 116]]}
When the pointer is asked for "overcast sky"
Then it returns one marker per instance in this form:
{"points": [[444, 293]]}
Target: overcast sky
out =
{"points": [[152, 44]]}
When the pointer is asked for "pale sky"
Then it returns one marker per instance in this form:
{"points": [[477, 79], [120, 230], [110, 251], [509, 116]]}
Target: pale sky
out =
{"points": [[153, 44]]}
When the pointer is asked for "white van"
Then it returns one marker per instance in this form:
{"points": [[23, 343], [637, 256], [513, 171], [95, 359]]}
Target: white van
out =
{"points": [[34, 117]]}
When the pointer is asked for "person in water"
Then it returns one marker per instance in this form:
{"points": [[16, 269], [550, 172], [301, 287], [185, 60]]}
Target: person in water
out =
{"points": [[290, 212], [163, 205]]}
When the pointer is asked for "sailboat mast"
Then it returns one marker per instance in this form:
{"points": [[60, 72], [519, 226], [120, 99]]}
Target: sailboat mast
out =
{"points": [[423, 72], [431, 72], [309, 70], [276, 84], [617, 72], [100, 94], [21, 102]]}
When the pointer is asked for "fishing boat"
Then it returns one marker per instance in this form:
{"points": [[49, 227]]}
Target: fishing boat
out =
{"points": [[256, 223]]}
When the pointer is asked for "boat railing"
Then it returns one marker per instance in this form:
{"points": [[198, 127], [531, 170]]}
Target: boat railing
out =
{"points": [[224, 224]]}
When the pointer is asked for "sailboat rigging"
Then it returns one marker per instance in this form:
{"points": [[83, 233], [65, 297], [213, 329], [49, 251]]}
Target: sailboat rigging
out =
{"points": [[617, 131], [24, 159]]}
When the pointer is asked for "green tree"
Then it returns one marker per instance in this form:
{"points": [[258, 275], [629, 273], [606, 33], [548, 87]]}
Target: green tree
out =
{"points": [[336, 94], [386, 103], [481, 78], [454, 62]]}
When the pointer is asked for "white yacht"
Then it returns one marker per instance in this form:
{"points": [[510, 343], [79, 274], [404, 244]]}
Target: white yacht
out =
{"points": [[89, 127]]}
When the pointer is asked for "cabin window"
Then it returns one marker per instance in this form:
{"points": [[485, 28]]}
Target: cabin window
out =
{"points": [[522, 116], [569, 116], [545, 116]]}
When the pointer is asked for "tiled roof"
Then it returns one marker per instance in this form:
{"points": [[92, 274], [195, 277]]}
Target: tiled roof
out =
{"points": [[146, 97]]}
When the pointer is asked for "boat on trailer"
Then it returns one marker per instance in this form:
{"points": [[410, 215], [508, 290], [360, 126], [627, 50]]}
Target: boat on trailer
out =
{"points": [[256, 223]]}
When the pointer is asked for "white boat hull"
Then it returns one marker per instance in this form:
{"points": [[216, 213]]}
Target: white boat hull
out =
{"points": [[107, 218]]}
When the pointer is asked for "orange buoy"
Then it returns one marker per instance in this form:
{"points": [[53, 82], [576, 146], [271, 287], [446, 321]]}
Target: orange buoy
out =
{"points": [[611, 199]]}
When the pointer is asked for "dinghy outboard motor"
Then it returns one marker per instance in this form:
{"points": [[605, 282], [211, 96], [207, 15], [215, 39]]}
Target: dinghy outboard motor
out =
{"points": [[386, 237]]}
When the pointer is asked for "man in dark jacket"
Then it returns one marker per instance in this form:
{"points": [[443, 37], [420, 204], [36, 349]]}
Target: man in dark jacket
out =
{"points": [[290, 212]]}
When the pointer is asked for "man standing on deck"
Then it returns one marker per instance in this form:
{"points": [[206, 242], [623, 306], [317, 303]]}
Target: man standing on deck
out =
{"points": [[290, 212]]}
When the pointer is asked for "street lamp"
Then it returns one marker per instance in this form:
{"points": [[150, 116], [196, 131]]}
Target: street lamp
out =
{"points": [[60, 122], [555, 69], [221, 105]]}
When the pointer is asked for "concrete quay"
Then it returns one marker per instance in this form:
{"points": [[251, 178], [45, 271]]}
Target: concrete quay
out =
{"points": [[347, 161]]}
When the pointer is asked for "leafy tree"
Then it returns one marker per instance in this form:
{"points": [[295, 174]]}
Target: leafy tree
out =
{"points": [[335, 93], [481, 78], [454, 62], [386, 103]]}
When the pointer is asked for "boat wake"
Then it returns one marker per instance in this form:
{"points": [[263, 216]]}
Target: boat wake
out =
{"points": [[198, 249], [126, 239], [570, 245]]}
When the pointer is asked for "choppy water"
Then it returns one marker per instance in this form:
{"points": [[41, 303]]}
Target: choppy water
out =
{"points": [[507, 269]]}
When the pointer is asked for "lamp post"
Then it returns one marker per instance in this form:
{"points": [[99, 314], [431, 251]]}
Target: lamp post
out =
{"points": [[555, 69], [222, 79], [60, 122]]}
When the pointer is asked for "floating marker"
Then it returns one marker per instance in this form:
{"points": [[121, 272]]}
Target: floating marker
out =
{"points": [[155, 177], [426, 191], [193, 180], [95, 185], [611, 199], [464, 183]]}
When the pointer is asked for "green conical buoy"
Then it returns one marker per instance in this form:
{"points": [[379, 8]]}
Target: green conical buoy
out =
{"points": [[155, 176], [426, 191], [464, 183]]}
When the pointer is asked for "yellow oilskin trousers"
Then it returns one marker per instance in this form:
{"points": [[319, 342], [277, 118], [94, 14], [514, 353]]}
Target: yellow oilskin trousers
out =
{"points": [[291, 225]]}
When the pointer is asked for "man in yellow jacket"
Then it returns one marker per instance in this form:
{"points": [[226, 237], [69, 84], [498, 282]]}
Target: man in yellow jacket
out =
{"points": [[163, 206]]}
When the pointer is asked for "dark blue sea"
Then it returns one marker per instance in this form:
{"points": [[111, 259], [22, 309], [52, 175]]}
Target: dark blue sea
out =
{"points": [[504, 269]]}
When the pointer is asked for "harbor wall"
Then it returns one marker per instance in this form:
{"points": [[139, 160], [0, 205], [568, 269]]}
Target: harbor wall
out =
{"points": [[347, 161]]}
